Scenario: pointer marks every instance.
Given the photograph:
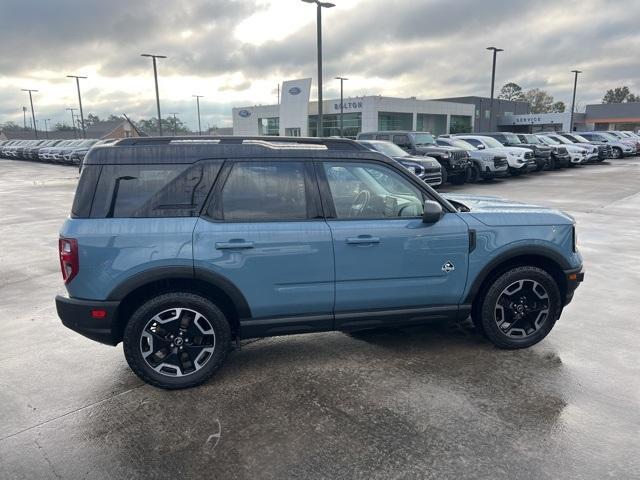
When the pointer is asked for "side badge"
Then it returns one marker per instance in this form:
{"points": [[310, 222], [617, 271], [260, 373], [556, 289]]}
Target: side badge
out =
{"points": [[448, 266]]}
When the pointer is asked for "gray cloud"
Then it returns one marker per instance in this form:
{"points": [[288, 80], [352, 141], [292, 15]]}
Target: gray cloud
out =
{"points": [[428, 48]]}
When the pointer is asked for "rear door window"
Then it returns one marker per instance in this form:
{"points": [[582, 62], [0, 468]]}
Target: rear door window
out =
{"points": [[142, 191], [265, 191]]}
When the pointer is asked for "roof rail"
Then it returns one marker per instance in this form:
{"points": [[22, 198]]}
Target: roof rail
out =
{"points": [[329, 143]]}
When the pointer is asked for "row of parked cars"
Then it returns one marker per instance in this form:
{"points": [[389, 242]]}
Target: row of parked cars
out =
{"points": [[462, 158], [69, 152]]}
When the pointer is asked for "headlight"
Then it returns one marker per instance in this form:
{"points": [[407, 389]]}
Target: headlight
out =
{"points": [[446, 155]]}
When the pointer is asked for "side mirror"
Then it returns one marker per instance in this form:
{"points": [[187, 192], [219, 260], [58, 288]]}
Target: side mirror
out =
{"points": [[605, 140], [480, 146], [432, 212]]}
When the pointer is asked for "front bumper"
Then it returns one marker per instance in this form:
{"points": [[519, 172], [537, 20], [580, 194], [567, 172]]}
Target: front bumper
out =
{"points": [[94, 319], [577, 158], [487, 172], [433, 178], [542, 161], [574, 278]]}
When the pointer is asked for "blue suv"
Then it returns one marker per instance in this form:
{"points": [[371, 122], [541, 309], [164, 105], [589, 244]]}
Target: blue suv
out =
{"points": [[178, 247]]}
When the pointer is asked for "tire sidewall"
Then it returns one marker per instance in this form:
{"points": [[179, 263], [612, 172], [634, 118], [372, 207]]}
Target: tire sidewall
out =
{"points": [[144, 313], [487, 320]]}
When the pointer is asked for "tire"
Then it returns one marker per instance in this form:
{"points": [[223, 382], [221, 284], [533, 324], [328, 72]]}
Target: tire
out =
{"points": [[473, 174], [162, 320], [617, 153], [515, 172], [519, 308], [445, 175]]}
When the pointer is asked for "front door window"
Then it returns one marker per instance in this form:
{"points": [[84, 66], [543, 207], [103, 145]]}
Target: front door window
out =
{"points": [[366, 190]]}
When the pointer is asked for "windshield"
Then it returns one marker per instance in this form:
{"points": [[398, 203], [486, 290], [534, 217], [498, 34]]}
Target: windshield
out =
{"points": [[423, 139], [491, 142], [615, 135], [387, 148], [561, 139], [463, 145], [532, 139], [511, 138], [548, 140], [608, 136], [580, 138]]}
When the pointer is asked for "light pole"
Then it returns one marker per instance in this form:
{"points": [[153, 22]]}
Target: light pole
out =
{"points": [[342, 79], [493, 82], [320, 6], [33, 115], [77, 77], [175, 123], [73, 122], [24, 117], [46, 127], [155, 77], [198, 97], [573, 102]]}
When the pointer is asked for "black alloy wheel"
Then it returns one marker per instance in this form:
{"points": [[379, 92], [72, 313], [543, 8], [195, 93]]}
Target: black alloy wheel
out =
{"points": [[519, 308], [176, 340]]}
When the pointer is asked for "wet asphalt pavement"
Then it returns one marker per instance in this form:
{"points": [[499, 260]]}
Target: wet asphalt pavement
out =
{"points": [[429, 402]]}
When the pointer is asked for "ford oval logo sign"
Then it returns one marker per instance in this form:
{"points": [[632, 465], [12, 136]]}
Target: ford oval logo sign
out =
{"points": [[294, 90], [244, 113]]}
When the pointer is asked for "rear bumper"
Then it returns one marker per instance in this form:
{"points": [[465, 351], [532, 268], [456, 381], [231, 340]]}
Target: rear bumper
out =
{"points": [[81, 316], [574, 278]]}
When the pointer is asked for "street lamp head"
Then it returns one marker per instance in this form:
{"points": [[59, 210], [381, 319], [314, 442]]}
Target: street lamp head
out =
{"points": [[152, 55], [495, 49], [75, 76], [576, 71], [341, 78], [320, 4], [29, 90]]}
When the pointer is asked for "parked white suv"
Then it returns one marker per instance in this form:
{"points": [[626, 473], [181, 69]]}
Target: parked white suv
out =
{"points": [[591, 150], [577, 155], [486, 164], [520, 159]]}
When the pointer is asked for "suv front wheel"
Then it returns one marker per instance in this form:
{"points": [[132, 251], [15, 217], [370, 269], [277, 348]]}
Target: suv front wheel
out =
{"points": [[176, 340], [519, 308]]}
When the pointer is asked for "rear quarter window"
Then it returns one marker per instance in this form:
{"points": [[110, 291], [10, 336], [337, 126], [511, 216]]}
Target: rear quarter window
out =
{"points": [[144, 191], [84, 192]]}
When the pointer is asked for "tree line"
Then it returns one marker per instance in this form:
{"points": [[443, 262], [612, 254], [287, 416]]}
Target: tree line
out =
{"points": [[148, 125], [543, 102]]}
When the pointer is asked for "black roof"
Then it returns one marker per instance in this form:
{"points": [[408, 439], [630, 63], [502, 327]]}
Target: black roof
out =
{"points": [[157, 150]]}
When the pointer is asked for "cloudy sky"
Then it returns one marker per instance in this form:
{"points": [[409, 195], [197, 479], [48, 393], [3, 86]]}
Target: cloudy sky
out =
{"points": [[235, 52]]}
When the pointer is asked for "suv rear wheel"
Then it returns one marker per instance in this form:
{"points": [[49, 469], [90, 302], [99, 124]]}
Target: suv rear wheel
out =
{"points": [[519, 308], [176, 340]]}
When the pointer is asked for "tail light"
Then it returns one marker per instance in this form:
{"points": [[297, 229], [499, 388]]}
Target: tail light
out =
{"points": [[69, 264]]}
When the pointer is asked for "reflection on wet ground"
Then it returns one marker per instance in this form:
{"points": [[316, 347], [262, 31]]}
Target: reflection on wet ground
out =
{"points": [[435, 401]]}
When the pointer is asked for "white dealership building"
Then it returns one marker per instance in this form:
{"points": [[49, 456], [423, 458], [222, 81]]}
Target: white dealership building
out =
{"points": [[296, 115]]}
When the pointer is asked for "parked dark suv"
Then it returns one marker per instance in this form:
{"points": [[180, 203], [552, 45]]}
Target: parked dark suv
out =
{"points": [[179, 246], [541, 152], [455, 161]]}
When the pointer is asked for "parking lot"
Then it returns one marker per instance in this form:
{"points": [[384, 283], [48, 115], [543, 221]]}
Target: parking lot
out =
{"points": [[427, 402]]}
